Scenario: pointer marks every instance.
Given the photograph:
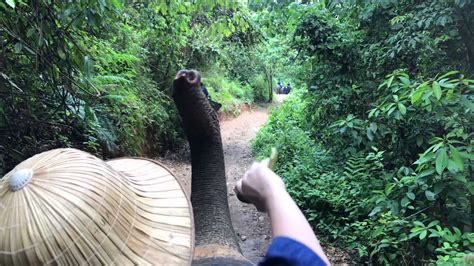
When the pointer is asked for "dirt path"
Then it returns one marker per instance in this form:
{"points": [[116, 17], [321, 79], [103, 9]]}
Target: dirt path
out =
{"points": [[251, 227]]}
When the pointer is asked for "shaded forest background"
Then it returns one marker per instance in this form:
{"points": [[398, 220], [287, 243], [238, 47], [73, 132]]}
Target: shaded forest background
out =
{"points": [[375, 143], [96, 75]]}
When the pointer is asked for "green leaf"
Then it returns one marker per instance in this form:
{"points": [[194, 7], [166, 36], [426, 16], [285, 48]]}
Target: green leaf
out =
{"points": [[413, 234], [390, 80], [376, 210], [418, 93], [433, 223], [163, 8], [18, 47], [370, 134], [373, 126], [448, 74], [460, 178], [457, 158], [404, 80], [11, 3], [452, 167], [88, 66], [426, 157], [439, 187], [404, 202], [468, 104], [61, 54], [390, 111], [117, 3], [372, 112], [437, 90], [430, 195], [470, 187], [113, 97], [467, 155], [418, 223], [402, 108], [411, 195], [419, 140], [423, 234], [447, 83], [30, 32], [441, 160]]}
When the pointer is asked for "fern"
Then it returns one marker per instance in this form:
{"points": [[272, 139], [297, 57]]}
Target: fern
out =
{"points": [[360, 166], [111, 79], [362, 174]]}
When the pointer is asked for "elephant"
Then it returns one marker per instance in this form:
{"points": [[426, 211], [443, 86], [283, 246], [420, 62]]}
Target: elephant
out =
{"points": [[215, 239]]}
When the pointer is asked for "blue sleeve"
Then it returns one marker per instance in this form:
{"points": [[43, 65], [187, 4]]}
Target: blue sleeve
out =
{"points": [[285, 251]]}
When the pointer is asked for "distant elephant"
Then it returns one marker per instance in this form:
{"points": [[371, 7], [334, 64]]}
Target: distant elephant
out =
{"points": [[216, 242]]}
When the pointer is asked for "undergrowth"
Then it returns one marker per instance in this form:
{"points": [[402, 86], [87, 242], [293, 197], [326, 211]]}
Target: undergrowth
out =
{"points": [[356, 197], [226, 92]]}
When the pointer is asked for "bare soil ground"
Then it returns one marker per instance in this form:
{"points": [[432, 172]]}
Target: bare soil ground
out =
{"points": [[251, 226]]}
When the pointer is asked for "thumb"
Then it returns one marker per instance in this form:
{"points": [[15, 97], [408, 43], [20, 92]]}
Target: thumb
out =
{"points": [[238, 186], [266, 162], [238, 191]]}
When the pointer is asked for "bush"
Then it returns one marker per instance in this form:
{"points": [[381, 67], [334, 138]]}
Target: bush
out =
{"points": [[230, 94], [364, 185], [259, 88], [98, 78]]}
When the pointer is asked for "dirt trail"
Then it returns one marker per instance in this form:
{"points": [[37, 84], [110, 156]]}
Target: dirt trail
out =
{"points": [[251, 227]]}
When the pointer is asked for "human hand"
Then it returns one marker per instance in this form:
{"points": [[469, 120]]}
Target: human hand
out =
{"points": [[258, 185]]}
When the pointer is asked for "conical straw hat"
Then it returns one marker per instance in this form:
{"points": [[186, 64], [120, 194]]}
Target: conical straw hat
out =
{"points": [[66, 206]]}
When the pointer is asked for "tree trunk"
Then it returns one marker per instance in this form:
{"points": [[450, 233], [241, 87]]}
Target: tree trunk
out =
{"points": [[467, 35], [270, 89], [269, 78]]}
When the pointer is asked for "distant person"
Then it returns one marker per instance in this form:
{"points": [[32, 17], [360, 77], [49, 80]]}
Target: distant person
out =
{"points": [[287, 89], [215, 105], [279, 88], [204, 90]]}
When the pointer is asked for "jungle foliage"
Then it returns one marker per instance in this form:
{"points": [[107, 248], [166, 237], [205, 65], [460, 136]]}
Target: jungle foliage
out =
{"points": [[376, 142], [96, 75], [377, 148]]}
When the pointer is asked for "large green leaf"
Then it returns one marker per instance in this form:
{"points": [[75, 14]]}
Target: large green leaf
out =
{"points": [[437, 90], [417, 95], [450, 73], [402, 108], [441, 160], [18, 47], [430, 195], [423, 234], [11, 3], [405, 80], [457, 158]]}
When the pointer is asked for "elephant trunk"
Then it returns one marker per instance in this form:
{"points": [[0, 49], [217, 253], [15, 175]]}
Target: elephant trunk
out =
{"points": [[215, 236]]}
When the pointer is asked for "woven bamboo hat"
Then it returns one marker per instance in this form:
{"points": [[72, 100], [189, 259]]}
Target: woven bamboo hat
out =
{"points": [[66, 206]]}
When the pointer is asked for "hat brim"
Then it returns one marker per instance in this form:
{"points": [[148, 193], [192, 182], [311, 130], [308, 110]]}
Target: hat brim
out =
{"points": [[163, 230]]}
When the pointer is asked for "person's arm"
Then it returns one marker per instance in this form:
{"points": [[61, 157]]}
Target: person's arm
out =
{"points": [[263, 188]]}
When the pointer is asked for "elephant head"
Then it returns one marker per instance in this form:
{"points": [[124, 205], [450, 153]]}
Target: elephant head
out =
{"points": [[216, 242]]}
